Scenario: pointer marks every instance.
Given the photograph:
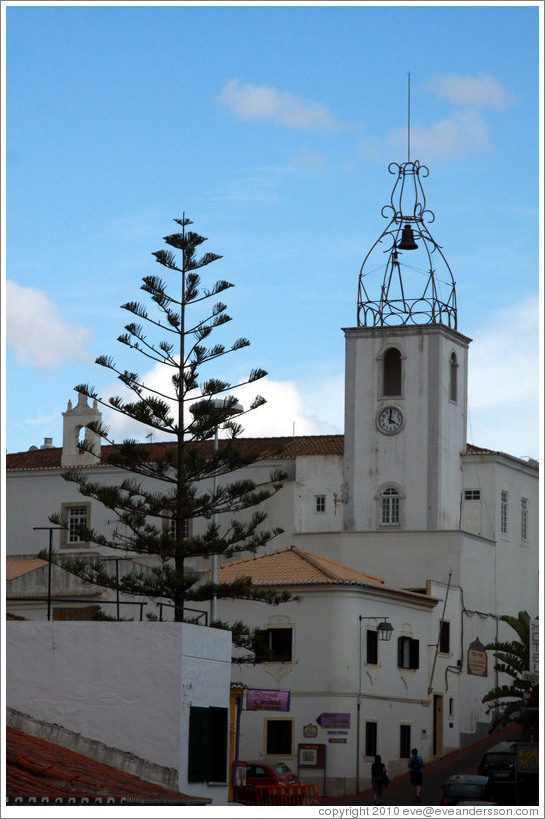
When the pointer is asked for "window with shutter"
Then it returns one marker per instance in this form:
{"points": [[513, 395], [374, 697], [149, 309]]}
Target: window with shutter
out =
{"points": [[404, 741], [444, 638], [370, 738], [372, 648], [199, 745], [274, 645], [207, 745], [408, 653]]}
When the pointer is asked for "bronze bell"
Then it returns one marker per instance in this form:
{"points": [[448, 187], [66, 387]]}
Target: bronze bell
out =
{"points": [[407, 239]]}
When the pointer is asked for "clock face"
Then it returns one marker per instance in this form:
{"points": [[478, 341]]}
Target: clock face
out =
{"points": [[390, 420]]}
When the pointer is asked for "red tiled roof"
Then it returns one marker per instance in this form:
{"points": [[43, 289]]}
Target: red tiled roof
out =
{"points": [[265, 448], [293, 566], [479, 450], [38, 772], [16, 567]]}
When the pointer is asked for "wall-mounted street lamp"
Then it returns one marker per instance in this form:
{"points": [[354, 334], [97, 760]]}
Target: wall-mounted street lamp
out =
{"points": [[384, 630], [384, 634]]}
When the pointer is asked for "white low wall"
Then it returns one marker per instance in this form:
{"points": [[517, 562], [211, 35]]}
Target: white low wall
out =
{"points": [[127, 685]]}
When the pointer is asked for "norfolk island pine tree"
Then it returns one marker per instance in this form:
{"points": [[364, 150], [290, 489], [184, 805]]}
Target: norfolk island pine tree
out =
{"points": [[200, 407]]}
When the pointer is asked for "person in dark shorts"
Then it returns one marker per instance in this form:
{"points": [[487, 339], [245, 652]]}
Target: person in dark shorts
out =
{"points": [[416, 766], [378, 774]]}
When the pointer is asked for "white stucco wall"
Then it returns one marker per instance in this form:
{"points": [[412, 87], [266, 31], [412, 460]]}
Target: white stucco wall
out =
{"points": [[127, 685], [422, 460], [324, 677]]}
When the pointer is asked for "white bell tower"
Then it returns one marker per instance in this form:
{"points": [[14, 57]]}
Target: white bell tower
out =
{"points": [[406, 378], [74, 426]]}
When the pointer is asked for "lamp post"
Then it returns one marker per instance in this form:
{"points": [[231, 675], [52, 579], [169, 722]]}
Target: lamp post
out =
{"points": [[384, 632], [236, 409], [51, 529]]}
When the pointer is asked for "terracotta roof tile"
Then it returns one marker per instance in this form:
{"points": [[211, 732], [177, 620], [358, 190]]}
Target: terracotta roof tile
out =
{"points": [[37, 770], [17, 567], [293, 566], [266, 448], [479, 450]]}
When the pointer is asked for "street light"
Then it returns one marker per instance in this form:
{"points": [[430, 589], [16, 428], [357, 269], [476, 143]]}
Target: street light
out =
{"points": [[384, 633], [236, 409]]}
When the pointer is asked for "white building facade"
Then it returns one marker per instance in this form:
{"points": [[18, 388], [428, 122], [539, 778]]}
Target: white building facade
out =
{"points": [[401, 495]]}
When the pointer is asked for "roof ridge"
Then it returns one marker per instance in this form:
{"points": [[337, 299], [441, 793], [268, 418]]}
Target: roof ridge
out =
{"points": [[320, 559], [311, 558]]}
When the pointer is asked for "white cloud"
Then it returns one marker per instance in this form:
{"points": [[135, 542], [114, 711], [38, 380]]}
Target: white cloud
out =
{"points": [[504, 381], [457, 135], [484, 91], [36, 332], [285, 413], [266, 104]]}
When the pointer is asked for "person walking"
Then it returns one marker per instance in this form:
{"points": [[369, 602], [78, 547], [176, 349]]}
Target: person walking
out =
{"points": [[379, 777], [416, 766]]}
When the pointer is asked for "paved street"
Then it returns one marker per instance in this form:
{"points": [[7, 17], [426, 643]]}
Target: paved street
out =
{"points": [[399, 791]]}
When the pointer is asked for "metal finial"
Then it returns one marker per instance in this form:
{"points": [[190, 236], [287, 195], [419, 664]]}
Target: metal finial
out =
{"points": [[409, 117]]}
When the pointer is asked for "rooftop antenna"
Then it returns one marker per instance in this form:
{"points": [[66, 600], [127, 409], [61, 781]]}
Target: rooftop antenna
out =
{"points": [[409, 117]]}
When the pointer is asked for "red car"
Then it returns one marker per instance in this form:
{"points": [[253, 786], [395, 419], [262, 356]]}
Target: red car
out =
{"points": [[261, 772]]}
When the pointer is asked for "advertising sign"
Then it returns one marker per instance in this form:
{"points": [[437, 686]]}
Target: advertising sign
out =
{"points": [[527, 757], [258, 699], [477, 662], [311, 756], [333, 720]]}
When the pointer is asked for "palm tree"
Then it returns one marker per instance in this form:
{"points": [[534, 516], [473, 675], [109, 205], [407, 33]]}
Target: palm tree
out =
{"points": [[515, 702]]}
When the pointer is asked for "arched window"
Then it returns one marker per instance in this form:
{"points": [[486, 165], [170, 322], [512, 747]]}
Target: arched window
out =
{"points": [[453, 378], [389, 507], [391, 374]]}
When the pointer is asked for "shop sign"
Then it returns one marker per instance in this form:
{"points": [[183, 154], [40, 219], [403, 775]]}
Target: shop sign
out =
{"points": [[333, 720], [261, 700], [477, 661]]}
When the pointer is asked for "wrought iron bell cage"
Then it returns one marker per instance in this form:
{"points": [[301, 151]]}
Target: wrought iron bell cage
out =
{"points": [[408, 294]]}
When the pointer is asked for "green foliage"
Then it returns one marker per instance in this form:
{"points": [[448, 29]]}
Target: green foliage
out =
{"points": [[516, 701], [189, 481]]}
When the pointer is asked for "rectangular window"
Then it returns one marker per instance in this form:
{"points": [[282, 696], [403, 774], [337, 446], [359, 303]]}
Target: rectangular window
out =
{"points": [[169, 524], [74, 515], [444, 638], [503, 513], [524, 518], [472, 511], [404, 741], [207, 744], [274, 645], [279, 737], [370, 738], [320, 503], [372, 648], [390, 508], [408, 653]]}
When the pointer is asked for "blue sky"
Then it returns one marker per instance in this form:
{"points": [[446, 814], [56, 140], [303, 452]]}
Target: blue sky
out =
{"points": [[272, 127]]}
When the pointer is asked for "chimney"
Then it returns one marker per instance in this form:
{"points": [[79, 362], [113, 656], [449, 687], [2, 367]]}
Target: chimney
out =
{"points": [[47, 444]]}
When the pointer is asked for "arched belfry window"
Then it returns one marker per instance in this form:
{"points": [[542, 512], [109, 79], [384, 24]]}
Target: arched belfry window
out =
{"points": [[391, 372], [453, 378]]}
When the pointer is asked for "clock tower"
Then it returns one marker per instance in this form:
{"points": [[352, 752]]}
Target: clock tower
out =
{"points": [[406, 377]]}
